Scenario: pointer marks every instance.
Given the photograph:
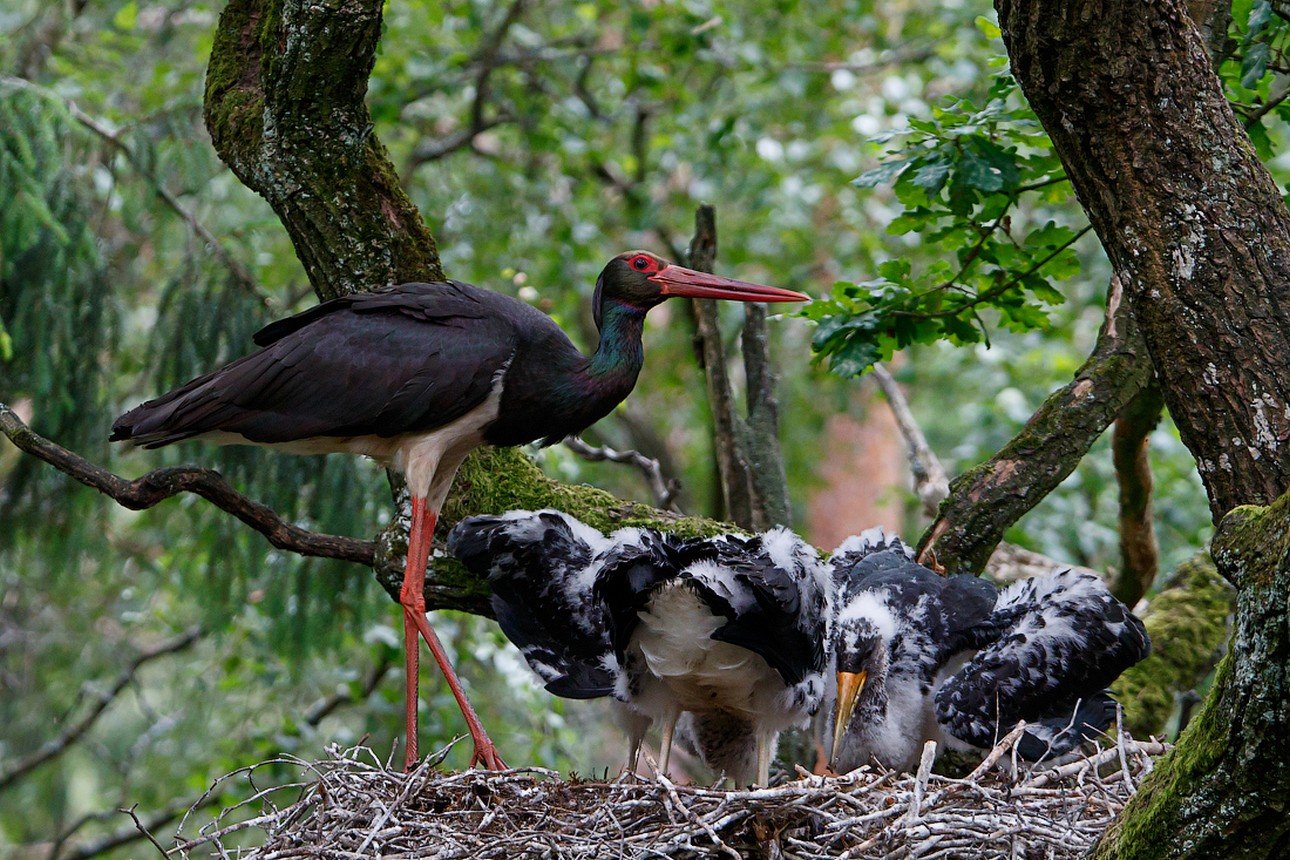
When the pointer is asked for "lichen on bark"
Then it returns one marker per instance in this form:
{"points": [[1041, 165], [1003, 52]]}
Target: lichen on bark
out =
{"points": [[1224, 790]]}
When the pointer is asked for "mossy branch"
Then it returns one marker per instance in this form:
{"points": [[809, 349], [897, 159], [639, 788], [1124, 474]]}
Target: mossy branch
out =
{"points": [[986, 500], [1187, 623]]}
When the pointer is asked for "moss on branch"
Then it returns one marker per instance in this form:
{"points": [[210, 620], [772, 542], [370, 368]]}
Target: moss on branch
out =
{"points": [[1187, 622]]}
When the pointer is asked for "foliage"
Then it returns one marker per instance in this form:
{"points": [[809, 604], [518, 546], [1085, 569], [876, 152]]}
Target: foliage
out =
{"points": [[962, 178]]}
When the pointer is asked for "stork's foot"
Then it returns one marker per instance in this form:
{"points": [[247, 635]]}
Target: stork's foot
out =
{"points": [[486, 755]]}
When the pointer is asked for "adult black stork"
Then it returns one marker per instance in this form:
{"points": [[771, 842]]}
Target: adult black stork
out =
{"points": [[919, 656], [416, 376], [724, 634]]}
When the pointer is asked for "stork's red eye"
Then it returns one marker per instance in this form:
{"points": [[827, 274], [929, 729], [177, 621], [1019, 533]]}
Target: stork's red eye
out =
{"points": [[641, 263]]}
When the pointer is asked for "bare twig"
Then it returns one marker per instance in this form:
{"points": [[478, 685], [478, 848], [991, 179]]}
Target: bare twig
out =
{"points": [[732, 466], [74, 731], [488, 60], [662, 486], [143, 831], [160, 484], [931, 484], [324, 707], [871, 813]]}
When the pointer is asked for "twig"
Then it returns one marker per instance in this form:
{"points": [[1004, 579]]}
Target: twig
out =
{"points": [[1130, 442], [160, 484], [732, 465], [144, 831], [72, 733], [662, 486], [931, 484], [323, 708]]}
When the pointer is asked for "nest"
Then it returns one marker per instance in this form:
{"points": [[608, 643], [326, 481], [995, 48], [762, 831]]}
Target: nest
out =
{"points": [[354, 805]]}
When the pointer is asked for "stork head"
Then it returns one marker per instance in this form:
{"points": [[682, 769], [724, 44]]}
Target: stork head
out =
{"points": [[860, 658], [641, 280]]}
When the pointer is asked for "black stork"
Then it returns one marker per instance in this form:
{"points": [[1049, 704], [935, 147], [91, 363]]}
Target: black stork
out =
{"points": [[719, 639], [416, 376], [919, 656]]}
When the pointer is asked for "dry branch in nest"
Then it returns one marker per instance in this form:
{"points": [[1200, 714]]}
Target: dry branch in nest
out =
{"points": [[353, 805]]}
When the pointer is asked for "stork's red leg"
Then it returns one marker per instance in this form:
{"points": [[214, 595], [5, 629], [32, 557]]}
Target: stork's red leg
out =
{"points": [[412, 597]]}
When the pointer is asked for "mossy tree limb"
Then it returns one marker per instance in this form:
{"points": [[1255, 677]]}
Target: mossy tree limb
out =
{"points": [[1224, 790], [987, 499]]}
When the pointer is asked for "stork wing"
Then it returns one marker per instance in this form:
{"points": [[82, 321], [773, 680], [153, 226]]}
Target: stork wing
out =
{"points": [[537, 566], [1048, 651], [405, 359], [770, 588]]}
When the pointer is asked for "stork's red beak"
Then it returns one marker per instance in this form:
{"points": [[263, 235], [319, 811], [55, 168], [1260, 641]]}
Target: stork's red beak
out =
{"points": [[680, 281]]}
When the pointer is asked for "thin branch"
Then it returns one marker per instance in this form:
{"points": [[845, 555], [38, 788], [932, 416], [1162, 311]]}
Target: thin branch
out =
{"points": [[662, 486], [324, 707], [993, 292], [72, 733], [736, 486], [143, 831], [931, 484], [160, 484], [130, 833], [1139, 554]]}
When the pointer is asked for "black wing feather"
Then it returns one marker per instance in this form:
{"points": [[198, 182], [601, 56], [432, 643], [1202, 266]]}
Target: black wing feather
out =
{"points": [[1053, 640], [535, 563], [405, 359], [784, 621]]}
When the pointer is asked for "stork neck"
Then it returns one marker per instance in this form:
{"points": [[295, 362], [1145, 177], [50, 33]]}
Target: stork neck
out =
{"points": [[620, 350]]}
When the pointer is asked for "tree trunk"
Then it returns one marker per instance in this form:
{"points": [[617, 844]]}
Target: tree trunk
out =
{"points": [[1194, 226], [285, 109], [1200, 239], [1224, 790]]}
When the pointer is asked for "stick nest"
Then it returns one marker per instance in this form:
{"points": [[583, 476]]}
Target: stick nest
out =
{"points": [[353, 805]]}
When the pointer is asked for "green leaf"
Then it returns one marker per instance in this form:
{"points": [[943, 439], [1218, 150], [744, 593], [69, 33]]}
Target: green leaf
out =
{"points": [[931, 175], [1254, 65], [882, 174], [989, 28], [127, 16], [6, 344]]}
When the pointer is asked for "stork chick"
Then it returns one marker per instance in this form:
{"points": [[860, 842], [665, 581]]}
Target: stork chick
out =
{"points": [[917, 656]]}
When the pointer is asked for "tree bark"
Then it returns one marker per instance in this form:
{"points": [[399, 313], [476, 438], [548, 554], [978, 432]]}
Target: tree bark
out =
{"points": [[1224, 789], [1195, 227], [986, 500]]}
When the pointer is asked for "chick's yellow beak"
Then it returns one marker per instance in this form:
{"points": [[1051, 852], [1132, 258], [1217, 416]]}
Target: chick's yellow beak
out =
{"points": [[849, 686]]}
